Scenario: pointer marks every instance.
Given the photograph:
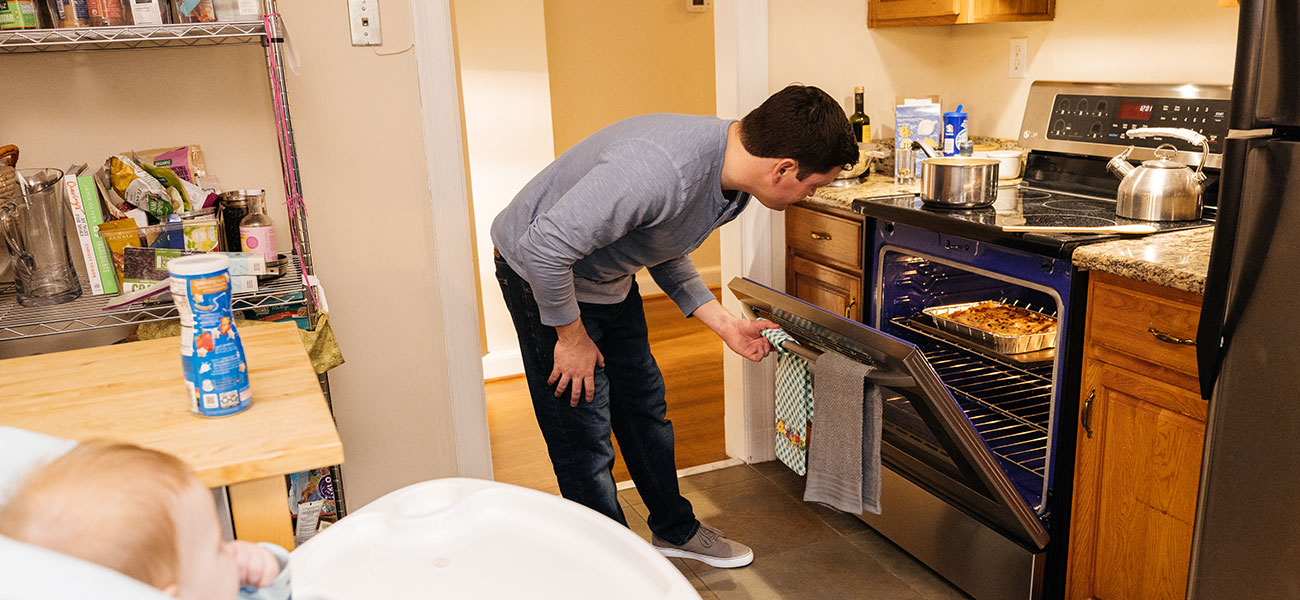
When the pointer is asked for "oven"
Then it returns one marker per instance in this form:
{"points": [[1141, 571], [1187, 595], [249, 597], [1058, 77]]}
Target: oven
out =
{"points": [[978, 436]]}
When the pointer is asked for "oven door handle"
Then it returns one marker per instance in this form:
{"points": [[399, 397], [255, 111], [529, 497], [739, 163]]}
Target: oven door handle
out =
{"points": [[881, 376]]}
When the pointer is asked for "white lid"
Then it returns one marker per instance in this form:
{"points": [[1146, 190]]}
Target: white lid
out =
{"points": [[198, 264]]}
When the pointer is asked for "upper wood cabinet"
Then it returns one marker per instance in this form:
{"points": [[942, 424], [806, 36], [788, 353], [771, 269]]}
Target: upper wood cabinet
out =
{"points": [[911, 13]]}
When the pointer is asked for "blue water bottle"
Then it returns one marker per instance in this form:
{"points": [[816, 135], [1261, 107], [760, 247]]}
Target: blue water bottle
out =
{"points": [[954, 130]]}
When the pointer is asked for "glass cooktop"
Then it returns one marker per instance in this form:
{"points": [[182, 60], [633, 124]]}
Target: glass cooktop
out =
{"points": [[1017, 206]]}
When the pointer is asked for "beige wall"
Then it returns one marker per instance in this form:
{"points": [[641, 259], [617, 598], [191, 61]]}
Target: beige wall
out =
{"points": [[363, 166], [1090, 40], [616, 59], [357, 120], [506, 96]]}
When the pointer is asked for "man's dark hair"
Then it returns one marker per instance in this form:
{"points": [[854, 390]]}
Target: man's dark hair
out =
{"points": [[803, 123]]}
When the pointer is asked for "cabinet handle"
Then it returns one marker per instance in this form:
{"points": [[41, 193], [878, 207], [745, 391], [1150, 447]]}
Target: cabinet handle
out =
{"points": [[817, 235], [1085, 415], [848, 310], [1170, 339]]}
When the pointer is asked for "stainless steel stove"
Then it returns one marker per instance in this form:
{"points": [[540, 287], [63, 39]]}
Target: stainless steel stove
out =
{"points": [[1071, 130], [977, 444]]}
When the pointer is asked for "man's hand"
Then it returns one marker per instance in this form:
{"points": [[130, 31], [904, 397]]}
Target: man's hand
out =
{"points": [[741, 335], [258, 567], [576, 359]]}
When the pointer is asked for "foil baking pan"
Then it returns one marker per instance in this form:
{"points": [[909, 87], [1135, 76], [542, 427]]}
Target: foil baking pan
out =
{"points": [[1006, 344]]}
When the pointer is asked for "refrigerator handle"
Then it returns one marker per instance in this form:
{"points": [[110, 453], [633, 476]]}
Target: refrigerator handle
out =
{"points": [[1210, 329], [1241, 243]]}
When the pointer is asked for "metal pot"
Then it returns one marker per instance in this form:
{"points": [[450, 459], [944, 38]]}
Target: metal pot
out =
{"points": [[957, 181]]}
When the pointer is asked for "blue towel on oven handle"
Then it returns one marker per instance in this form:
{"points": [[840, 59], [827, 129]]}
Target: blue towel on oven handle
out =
{"points": [[794, 403]]}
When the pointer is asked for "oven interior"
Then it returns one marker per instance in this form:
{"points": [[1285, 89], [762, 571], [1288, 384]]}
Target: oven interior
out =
{"points": [[1008, 398]]}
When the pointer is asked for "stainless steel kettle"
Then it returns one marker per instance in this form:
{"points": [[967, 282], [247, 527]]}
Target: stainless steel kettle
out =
{"points": [[1162, 189]]}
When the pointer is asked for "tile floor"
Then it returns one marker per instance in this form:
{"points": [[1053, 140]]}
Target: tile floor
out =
{"points": [[801, 550]]}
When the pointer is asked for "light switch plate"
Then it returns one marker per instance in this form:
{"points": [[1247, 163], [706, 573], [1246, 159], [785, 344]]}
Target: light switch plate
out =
{"points": [[363, 16]]}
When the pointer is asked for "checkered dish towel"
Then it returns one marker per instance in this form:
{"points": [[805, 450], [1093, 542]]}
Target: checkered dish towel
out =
{"points": [[794, 403]]}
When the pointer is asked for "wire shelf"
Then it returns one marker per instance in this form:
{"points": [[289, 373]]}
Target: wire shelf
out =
{"points": [[87, 312], [82, 39]]}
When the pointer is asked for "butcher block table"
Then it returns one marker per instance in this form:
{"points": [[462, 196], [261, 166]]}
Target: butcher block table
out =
{"points": [[134, 393]]}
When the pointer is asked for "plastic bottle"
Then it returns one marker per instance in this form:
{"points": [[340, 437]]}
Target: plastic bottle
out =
{"points": [[954, 130], [257, 230]]}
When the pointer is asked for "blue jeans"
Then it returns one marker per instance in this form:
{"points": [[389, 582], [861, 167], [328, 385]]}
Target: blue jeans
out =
{"points": [[629, 401]]}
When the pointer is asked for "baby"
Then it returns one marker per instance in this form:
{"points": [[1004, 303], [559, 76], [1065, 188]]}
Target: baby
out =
{"points": [[145, 514]]}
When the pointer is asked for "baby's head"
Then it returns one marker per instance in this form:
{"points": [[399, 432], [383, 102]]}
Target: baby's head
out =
{"points": [[137, 511]]}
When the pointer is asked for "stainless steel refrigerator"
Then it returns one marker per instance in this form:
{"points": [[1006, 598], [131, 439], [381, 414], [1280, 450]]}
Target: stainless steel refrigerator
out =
{"points": [[1247, 536]]}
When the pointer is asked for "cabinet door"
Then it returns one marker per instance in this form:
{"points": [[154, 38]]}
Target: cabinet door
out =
{"points": [[1135, 485], [913, 9], [905, 13], [823, 286], [998, 11], [826, 238]]}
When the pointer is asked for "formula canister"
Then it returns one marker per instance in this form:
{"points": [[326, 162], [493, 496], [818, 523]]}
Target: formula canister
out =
{"points": [[212, 355], [954, 130]]}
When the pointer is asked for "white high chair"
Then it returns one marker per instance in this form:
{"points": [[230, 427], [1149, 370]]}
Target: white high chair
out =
{"points": [[470, 538], [446, 538]]}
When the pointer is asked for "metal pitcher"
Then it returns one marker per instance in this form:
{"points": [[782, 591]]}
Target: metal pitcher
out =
{"points": [[32, 226]]}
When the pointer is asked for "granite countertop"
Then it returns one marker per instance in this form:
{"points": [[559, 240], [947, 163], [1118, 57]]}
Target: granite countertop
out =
{"points": [[875, 185], [1179, 259]]}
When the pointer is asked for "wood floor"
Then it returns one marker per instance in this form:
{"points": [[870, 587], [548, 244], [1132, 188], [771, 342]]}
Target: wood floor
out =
{"points": [[690, 356]]}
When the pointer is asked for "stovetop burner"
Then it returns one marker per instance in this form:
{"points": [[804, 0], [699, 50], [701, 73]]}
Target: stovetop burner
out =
{"points": [[1017, 206]]}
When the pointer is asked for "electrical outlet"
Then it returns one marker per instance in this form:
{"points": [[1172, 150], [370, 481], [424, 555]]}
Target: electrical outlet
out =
{"points": [[1018, 58], [363, 15]]}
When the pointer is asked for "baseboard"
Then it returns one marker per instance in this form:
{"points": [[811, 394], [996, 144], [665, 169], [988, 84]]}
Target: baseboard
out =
{"points": [[688, 471], [502, 363], [712, 277]]}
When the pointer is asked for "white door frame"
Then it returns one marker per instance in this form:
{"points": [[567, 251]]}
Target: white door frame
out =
{"points": [[751, 245], [449, 202]]}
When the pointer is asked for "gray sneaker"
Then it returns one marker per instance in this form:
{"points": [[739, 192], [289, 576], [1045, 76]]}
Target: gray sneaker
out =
{"points": [[709, 547]]}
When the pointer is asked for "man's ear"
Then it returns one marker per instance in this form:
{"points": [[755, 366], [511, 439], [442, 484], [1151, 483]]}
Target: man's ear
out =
{"points": [[785, 167]]}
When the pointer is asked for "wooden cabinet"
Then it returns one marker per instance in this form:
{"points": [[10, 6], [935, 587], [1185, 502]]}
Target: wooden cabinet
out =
{"points": [[1140, 434], [911, 13], [824, 258]]}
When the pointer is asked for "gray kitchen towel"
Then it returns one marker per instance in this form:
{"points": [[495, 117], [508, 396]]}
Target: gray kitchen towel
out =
{"points": [[844, 449]]}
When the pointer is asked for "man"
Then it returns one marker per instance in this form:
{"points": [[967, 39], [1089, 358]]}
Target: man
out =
{"points": [[644, 192]]}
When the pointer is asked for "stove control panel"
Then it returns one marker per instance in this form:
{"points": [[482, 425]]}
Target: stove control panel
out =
{"points": [[1104, 119]]}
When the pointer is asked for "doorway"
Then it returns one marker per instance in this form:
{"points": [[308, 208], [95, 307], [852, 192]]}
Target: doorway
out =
{"points": [[532, 86]]}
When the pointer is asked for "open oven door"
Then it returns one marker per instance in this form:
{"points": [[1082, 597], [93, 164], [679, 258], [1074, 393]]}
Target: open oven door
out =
{"points": [[952, 462]]}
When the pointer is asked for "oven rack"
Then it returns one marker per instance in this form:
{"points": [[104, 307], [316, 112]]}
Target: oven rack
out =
{"points": [[1009, 405]]}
